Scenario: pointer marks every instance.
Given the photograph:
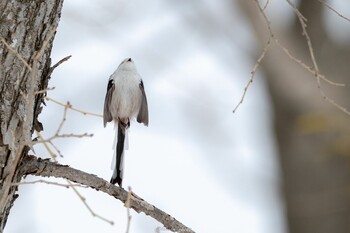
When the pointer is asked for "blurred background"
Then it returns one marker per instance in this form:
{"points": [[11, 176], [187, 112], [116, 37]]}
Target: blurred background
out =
{"points": [[279, 164]]}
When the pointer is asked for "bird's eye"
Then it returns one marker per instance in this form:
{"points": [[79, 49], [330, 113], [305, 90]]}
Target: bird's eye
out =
{"points": [[129, 59]]}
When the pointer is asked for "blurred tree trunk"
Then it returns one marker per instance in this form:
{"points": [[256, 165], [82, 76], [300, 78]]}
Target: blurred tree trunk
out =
{"points": [[312, 135], [24, 26]]}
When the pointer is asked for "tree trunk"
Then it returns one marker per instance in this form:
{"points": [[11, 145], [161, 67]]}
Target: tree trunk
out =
{"points": [[25, 26]]}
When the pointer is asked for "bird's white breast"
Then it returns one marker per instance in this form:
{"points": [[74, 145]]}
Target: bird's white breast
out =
{"points": [[127, 95]]}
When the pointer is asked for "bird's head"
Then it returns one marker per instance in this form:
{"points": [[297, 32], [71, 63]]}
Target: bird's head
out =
{"points": [[127, 64]]}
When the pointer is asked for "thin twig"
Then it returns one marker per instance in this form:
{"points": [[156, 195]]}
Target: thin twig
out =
{"points": [[45, 44], [44, 91], [253, 72], [315, 70], [58, 134], [60, 62], [286, 51], [127, 205], [257, 63], [334, 10], [333, 102], [41, 139], [266, 19], [308, 68], [16, 54], [57, 64], [302, 21], [71, 135], [55, 148], [81, 197], [64, 118], [49, 182], [266, 4], [72, 108]]}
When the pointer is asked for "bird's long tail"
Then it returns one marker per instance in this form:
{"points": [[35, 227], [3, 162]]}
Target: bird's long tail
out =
{"points": [[118, 162]]}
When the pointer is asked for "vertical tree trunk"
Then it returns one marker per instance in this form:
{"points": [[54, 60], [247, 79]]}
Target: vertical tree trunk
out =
{"points": [[24, 26]]}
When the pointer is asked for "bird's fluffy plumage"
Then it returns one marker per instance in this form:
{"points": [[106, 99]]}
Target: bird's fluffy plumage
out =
{"points": [[125, 99]]}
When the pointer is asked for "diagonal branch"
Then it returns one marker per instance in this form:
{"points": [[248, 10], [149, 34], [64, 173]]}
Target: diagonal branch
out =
{"points": [[334, 10], [32, 165]]}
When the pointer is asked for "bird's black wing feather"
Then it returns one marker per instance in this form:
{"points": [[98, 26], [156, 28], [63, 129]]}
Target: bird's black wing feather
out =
{"points": [[142, 117], [107, 116]]}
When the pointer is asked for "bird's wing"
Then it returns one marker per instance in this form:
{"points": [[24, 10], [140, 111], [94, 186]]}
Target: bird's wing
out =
{"points": [[142, 117], [107, 116]]}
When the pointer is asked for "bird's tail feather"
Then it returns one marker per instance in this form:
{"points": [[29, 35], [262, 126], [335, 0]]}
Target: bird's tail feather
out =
{"points": [[119, 154], [114, 147]]}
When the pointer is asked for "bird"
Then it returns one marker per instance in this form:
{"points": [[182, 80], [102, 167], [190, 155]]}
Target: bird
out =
{"points": [[125, 100]]}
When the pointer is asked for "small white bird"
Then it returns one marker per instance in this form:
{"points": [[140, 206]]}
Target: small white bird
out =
{"points": [[125, 99]]}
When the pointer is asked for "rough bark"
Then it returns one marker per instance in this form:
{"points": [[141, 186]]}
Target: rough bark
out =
{"points": [[311, 133], [24, 26]]}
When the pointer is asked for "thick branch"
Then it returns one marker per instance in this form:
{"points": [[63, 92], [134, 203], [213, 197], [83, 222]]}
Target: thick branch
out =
{"points": [[32, 165]]}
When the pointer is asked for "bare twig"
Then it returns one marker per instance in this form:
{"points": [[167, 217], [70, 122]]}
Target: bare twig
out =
{"points": [[334, 10], [49, 182], [57, 64], [253, 72], [266, 4], [81, 197], [55, 148], [308, 68], [286, 51], [44, 91], [34, 166], [58, 132], [302, 21], [314, 70], [63, 119], [257, 63], [52, 155], [16, 54], [45, 44], [127, 205], [60, 62], [333, 102], [70, 135], [93, 213], [72, 108], [266, 19]]}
